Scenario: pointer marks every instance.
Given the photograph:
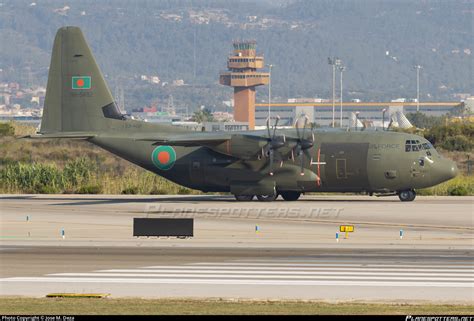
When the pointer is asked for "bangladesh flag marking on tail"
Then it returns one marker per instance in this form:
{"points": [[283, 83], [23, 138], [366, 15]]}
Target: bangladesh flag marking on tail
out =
{"points": [[81, 82], [163, 157]]}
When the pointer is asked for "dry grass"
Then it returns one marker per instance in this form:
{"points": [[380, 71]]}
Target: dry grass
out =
{"points": [[34, 306]]}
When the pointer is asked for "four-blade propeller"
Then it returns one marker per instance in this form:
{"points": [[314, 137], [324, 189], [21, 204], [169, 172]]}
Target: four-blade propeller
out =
{"points": [[274, 143], [299, 146], [303, 144]]}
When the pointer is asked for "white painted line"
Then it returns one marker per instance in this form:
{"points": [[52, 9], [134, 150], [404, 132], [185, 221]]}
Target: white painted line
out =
{"points": [[298, 268], [236, 276], [239, 282], [320, 264], [146, 272], [329, 259], [359, 260]]}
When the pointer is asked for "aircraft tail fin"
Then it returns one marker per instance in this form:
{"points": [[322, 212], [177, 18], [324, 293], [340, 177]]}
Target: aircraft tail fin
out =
{"points": [[77, 96]]}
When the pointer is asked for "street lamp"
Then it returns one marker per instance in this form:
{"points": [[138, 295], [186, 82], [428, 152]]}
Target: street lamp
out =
{"points": [[418, 67], [383, 118], [269, 88], [334, 61], [341, 69]]}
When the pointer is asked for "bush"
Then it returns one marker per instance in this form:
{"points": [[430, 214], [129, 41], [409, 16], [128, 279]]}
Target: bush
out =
{"points": [[457, 143], [453, 136], [184, 191], [78, 171], [458, 191], [458, 186], [130, 190], [89, 189], [34, 178], [157, 191], [45, 189], [6, 129]]}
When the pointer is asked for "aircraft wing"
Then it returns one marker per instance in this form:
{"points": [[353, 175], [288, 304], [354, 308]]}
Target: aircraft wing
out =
{"points": [[188, 139]]}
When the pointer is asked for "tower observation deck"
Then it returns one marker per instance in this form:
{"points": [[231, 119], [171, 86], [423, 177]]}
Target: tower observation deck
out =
{"points": [[243, 76]]}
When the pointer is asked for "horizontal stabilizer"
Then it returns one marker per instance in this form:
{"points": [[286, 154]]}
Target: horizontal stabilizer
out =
{"points": [[72, 135]]}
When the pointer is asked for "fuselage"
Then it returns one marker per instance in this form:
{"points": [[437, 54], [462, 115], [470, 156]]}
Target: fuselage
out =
{"points": [[340, 161]]}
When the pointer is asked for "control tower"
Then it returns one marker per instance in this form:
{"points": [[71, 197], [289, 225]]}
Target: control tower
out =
{"points": [[243, 76]]}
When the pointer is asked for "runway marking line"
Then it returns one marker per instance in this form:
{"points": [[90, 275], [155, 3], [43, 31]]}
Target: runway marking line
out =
{"points": [[270, 273], [240, 282]]}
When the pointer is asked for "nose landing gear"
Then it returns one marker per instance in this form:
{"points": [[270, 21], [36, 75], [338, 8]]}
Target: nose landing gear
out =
{"points": [[290, 196], [407, 196]]}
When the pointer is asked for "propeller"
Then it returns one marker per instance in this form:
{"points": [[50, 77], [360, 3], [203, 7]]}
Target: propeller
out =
{"points": [[274, 142], [303, 144]]}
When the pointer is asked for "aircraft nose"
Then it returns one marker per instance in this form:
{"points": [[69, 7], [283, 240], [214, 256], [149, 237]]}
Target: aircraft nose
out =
{"points": [[454, 170], [447, 170]]}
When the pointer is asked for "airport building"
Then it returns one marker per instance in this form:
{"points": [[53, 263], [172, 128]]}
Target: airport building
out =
{"points": [[322, 115]]}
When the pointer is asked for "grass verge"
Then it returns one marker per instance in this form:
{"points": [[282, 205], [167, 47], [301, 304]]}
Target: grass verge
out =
{"points": [[32, 306]]}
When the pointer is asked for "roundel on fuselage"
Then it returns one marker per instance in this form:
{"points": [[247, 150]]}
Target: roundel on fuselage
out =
{"points": [[163, 157]]}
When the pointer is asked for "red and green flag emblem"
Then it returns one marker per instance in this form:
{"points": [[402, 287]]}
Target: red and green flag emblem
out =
{"points": [[163, 157], [81, 82]]}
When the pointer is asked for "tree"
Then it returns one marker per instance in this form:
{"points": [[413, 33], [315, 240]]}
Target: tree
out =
{"points": [[203, 115]]}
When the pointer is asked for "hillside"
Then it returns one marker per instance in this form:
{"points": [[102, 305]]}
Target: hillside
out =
{"points": [[379, 41]]}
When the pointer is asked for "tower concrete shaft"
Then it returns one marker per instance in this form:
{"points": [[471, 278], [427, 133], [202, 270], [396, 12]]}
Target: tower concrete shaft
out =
{"points": [[242, 74]]}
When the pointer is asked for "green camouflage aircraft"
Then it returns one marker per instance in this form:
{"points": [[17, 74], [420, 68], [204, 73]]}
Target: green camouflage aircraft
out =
{"points": [[265, 163]]}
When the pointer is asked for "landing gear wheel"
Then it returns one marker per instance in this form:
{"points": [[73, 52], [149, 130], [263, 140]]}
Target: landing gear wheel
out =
{"points": [[244, 198], [407, 196], [290, 195], [267, 198]]}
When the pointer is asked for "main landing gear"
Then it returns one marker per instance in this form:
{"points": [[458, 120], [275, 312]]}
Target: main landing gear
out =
{"points": [[287, 196], [244, 198], [407, 196], [267, 198]]}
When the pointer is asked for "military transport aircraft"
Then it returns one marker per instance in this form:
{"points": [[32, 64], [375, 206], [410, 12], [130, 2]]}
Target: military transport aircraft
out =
{"points": [[265, 163]]}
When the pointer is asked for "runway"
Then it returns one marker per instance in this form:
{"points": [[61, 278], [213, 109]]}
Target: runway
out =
{"points": [[294, 255]]}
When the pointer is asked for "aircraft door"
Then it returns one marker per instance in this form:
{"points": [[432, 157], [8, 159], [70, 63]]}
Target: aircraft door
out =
{"points": [[197, 171], [346, 166]]}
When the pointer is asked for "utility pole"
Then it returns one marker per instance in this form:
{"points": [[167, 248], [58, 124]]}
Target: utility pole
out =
{"points": [[334, 62], [269, 88], [418, 67], [194, 57], [341, 69]]}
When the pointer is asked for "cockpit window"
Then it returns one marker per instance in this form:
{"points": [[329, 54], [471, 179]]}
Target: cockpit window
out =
{"points": [[416, 145]]}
